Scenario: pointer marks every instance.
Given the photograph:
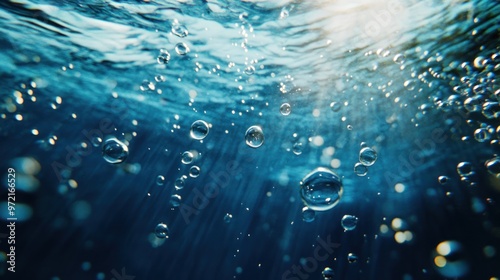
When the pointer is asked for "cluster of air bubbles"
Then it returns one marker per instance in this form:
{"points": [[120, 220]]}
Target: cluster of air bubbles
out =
{"points": [[254, 136], [227, 218], [114, 151], [199, 130], [308, 214], [321, 189], [163, 57], [367, 157], [327, 273], [182, 49], [162, 231], [285, 109], [349, 222]]}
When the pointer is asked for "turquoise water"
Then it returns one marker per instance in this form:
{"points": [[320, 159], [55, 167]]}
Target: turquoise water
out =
{"points": [[178, 139]]}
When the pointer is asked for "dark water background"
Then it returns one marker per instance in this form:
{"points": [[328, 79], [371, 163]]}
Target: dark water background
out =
{"points": [[69, 67]]}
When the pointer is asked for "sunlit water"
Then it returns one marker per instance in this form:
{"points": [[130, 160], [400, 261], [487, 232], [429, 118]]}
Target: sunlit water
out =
{"points": [[171, 139]]}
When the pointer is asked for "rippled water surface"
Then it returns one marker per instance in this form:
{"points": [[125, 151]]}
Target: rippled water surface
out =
{"points": [[250, 139]]}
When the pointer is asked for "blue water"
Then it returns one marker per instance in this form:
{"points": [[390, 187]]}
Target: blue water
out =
{"points": [[402, 73]]}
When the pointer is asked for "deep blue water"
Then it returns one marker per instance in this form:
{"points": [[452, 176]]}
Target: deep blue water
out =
{"points": [[413, 80]]}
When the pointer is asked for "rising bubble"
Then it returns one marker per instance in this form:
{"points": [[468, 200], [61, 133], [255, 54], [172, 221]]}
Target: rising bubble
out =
{"points": [[349, 222], [321, 189], [194, 171], [249, 70], [285, 109], [227, 218], [308, 214], [327, 273], [443, 180], [160, 180], [360, 169], [399, 58], [335, 106], [114, 151], [367, 156], [182, 49], [175, 200], [187, 157], [352, 258], [254, 136], [161, 230], [199, 130], [465, 169]]}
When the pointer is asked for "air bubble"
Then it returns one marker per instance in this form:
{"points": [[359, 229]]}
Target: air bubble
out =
{"points": [[367, 156], [352, 258], [399, 58], [360, 169], [493, 166], [227, 218], [249, 70], [465, 169], [482, 135], [161, 231], [335, 106], [182, 49], [321, 189], [349, 222], [179, 183], [187, 157], [409, 84], [194, 171], [114, 151], [327, 273], [308, 214], [160, 180], [175, 200], [285, 109], [443, 180], [254, 136], [297, 148], [199, 130]]}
